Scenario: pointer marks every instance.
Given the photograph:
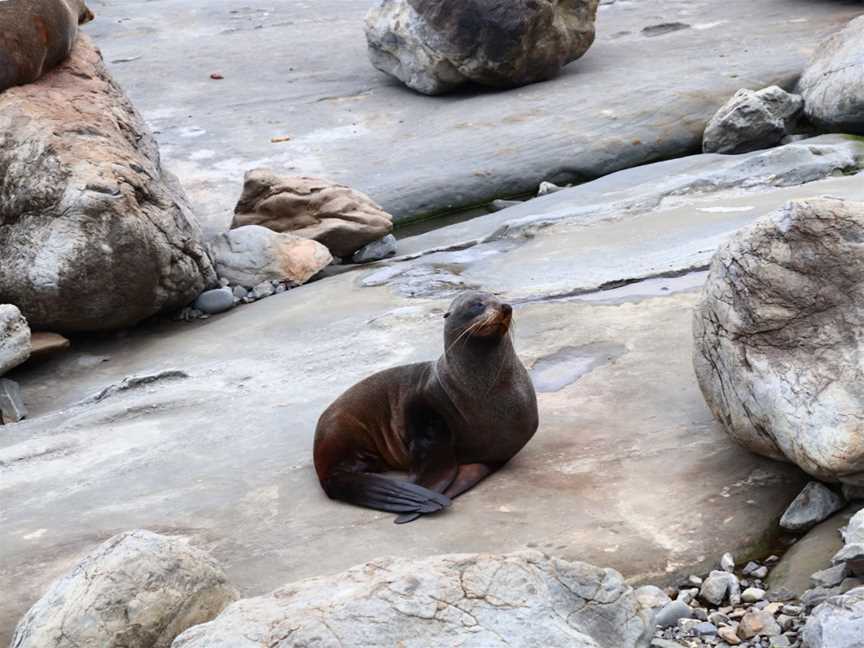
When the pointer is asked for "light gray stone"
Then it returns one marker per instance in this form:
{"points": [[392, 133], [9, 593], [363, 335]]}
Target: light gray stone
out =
{"points": [[751, 120], [776, 337], [833, 83], [376, 250], [837, 623], [263, 289], [720, 586], [136, 589], [670, 614], [853, 533], [752, 595], [14, 338], [94, 233], [813, 505], [727, 562], [215, 301], [830, 577], [479, 600], [249, 255], [435, 47], [12, 407]]}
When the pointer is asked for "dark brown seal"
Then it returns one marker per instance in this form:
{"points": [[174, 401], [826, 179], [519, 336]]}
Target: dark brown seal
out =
{"points": [[35, 36], [449, 423]]}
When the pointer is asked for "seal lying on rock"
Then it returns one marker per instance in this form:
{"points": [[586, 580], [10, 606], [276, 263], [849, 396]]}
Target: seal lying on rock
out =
{"points": [[35, 36], [449, 423]]}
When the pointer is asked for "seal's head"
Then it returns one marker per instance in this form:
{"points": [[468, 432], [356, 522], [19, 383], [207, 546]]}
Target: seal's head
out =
{"points": [[477, 315]]}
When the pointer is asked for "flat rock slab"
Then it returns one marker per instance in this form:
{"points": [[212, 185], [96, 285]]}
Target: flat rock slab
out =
{"points": [[299, 95]]}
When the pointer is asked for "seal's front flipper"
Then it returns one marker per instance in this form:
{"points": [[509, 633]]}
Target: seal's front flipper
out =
{"points": [[384, 494]]}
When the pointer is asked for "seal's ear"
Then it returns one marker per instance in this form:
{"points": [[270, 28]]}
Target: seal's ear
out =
{"points": [[447, 314]]}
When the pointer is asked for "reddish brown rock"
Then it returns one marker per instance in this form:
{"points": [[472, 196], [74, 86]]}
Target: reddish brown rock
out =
{"points": [[339, 217], [94, 234]]}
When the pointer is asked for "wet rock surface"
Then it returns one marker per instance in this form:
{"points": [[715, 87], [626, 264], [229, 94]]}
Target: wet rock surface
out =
{"points": [[342, 219], [95, 234], [777, 333], [474, 600], [137, 589], [435, 47], [833, 83]]}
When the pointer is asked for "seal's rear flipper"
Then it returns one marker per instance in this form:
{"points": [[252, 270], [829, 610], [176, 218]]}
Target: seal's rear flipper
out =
{"points": [[384, 494]]}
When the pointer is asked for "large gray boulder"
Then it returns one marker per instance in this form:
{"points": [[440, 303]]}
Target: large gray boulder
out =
{"points": [[14, 338], [833, 83], [435, 46], [137, 589], [474, 600], [778, 337], [94, 234], [750, 121], [837, 623]]}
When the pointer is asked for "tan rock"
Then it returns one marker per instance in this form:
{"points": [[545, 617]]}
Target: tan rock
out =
{"points": [[248, 255], [46, 344], [94, 233], [727, 634], [339, 217]]}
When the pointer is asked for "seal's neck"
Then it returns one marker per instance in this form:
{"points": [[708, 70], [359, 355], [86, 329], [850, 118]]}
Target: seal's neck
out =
{"points": [[476, 365]]}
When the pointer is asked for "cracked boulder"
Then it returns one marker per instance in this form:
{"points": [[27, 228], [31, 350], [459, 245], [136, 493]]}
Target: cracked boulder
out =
{"points": [[833, 83], [94, 234], [750, 121], [339, 217], [14, 338], [137, 589], [779, 334], [473, 600], [435, 46]]}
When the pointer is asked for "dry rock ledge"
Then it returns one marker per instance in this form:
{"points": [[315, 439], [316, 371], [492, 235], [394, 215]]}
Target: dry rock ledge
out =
{"points": [[94, 233], [778, 334], [475, 600]]}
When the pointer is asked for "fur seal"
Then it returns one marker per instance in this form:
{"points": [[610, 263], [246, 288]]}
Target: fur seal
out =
{"points": [[35, 36], [449, 423]]}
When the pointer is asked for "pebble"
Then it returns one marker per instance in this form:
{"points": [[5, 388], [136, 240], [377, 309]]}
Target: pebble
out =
{"points": [[214, 301], [727, 563], [548, 188], [240, 293], [694, 580], [753, 595], [671, 613], [728, 635], [705, 629], [263, 289], [720, 586], [376, 250]]}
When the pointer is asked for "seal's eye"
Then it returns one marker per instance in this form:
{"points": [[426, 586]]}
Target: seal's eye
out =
{"points": [[477, 307], [447, 314]]}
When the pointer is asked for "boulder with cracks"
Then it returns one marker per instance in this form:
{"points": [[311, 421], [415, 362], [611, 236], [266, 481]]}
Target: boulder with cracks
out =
{"points": [[778, 335], [473, 600]]}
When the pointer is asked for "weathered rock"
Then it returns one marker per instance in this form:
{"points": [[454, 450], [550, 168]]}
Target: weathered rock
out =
{"points": [[341, 218], [376, 250], [249, 255], [720, 586], [751, 120], [435, 46], [136, 589], [752, 595], [44, 344], [837, 623], [813, 505], [758, 623], [833, 83], [523, 599], [777, 337], [852, 553], [215, 301], [830, 577], [94, 234], [12, 408], [14, 338]]}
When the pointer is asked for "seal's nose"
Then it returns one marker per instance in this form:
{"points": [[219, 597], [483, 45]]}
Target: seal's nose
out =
{"points": [[506, 309]]}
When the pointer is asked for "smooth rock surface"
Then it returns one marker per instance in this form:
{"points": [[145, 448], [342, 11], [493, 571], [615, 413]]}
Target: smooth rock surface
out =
{"points": [[14, 338], [814, 504], [348, 122], [750, 121], [252, 254], [258, 377], [435, 46], [137, 589], [833, 83], [215, 301], [339, 217], [95, 234], [483, 600], [837, 623], [777, 337]]}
